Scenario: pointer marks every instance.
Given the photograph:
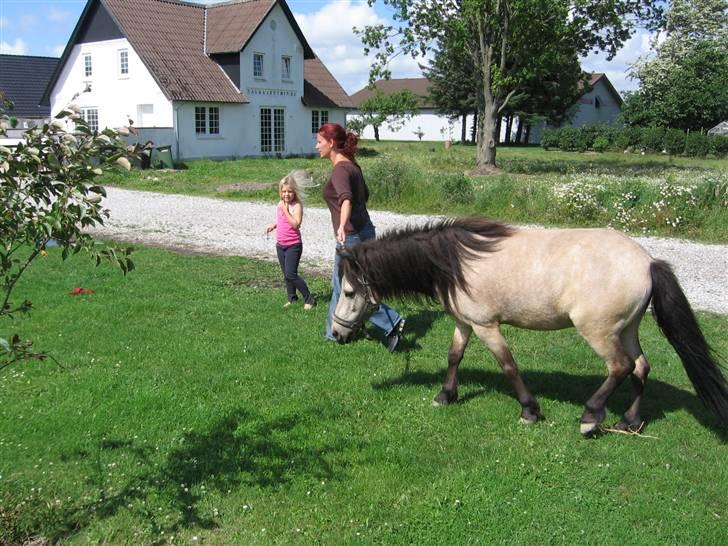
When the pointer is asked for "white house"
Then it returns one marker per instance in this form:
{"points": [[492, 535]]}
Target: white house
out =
{"points": [[601, 104], [221, 81]]}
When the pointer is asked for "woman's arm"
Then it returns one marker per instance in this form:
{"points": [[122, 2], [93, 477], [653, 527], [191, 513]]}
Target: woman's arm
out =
{"points": [[343, 220]]}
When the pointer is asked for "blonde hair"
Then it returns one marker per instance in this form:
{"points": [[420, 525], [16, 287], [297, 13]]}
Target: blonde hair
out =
{"points": [[297, 181]]}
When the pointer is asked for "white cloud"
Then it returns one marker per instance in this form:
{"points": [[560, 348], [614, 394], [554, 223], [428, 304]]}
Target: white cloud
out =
{"points": [[57, 51], [341, 49], [617, 70], [60, 16], [18, 48]]}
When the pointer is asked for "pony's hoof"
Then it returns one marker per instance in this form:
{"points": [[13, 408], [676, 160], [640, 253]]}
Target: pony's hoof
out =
{"points": [[588, 429], [444, 398]]}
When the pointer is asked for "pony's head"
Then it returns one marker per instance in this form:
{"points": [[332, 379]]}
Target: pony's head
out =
{"points": [[357, 300]]}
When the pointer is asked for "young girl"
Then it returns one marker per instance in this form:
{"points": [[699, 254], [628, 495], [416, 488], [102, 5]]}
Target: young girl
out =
{"points": [[289, 214]]}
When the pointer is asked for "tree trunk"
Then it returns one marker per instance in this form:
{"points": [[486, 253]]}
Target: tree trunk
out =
{"points": [[527, 133], [474, 129], [519, 131], [376, 132], [464, 130], [509, 128], [488, 127]]}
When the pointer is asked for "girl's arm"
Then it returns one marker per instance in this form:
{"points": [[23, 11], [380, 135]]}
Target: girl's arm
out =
{"points": [[271, 227], [296, 216]]}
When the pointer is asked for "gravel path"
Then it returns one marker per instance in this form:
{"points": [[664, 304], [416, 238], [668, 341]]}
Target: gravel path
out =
{"points": [[213, 226]]}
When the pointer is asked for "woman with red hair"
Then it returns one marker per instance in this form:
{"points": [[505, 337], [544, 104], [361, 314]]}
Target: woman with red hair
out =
{"points": [[346, 195]]}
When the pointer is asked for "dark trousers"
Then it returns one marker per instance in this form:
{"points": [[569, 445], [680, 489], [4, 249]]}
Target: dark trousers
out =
{"points": [[288, 258]]}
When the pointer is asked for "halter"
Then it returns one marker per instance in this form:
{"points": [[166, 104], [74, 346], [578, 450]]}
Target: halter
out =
{"points": [[369, 307]]}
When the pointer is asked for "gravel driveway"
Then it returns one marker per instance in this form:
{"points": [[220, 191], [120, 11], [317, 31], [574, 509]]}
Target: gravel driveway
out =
{"points": [[213, 226]]}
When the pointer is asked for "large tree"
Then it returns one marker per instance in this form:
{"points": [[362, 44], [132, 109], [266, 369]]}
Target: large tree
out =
{"points": [[683, 83], [509, 42]]}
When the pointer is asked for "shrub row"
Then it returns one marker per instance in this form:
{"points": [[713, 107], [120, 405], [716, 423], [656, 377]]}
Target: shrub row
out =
{"points": [[649, 139]]}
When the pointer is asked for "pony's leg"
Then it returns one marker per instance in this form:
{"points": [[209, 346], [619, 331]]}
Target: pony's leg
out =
{"points": [[619, 365], [449, 391], [492, 337], [631, 420]]}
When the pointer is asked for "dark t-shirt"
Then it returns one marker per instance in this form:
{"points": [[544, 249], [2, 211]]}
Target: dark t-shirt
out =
{"points": [[347, 182]]}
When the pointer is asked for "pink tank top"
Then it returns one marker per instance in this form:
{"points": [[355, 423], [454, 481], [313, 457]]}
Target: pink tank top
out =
{"points": [[285, 234]]}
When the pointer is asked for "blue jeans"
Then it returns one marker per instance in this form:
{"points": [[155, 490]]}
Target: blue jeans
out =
{"points": [[384, 317]]}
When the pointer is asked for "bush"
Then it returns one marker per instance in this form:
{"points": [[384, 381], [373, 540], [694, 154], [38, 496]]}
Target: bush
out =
{"points": [[573, 139], [696, 145], [674, 141], [652, 138], [550, 139], [386, 178], [718, 145], [629, 136], [456, 188], [601, 144]]}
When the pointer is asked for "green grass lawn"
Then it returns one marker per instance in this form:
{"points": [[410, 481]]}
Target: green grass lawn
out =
{"points": [[192, 408], [651, 194]]}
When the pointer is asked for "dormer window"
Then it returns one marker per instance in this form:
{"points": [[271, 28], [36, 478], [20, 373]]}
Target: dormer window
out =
{"points": [[257, 65], [123, 62], [87, 66], [285, 68]]}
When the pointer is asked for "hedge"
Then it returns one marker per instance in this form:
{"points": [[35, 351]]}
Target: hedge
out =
{"points": [[650, 139]]}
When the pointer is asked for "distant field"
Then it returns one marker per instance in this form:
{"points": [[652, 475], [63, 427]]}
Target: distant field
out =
{"points": [[192, 408], [650, 194]]}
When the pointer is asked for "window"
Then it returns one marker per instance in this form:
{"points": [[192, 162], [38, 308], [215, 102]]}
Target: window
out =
{"points": [[318, 118], [272, 130], [91, 116], [207, 120], [597, 102], [87, 66], [285, 68], [123, 62], [257, 65]]}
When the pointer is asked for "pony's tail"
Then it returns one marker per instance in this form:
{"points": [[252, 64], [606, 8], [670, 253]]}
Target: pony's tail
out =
{"points": [[677, 322]]}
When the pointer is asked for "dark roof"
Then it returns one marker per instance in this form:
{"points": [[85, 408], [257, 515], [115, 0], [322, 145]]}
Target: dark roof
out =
{"points": [[232, 24], [597, 76], [174, 40], [23, 79], [320, 88], [419, 86]]}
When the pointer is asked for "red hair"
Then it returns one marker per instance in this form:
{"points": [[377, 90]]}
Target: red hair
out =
{"points": [[344, 141]]}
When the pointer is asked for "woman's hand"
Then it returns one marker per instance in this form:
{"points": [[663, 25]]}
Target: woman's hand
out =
{"points": [[341, 234]]}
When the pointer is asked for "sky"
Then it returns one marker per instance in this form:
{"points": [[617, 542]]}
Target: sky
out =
{"points": [[43, 27]]}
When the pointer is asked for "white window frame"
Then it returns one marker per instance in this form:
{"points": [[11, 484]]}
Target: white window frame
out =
{"points": [[91, 116], [207, 121], [259, 71], [88, 67], [123, 62], [318, 118], [286, 67], [272, 129]]}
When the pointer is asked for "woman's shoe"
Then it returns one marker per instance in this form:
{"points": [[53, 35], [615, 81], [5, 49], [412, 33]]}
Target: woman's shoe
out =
{"points": [[395, 335]]}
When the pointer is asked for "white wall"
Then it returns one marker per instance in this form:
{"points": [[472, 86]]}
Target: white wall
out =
{"points": [[434, 126], [116, 97], [240, 123]]}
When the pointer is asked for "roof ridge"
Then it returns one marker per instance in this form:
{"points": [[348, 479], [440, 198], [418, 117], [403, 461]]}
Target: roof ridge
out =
{"points": [[26, 56]]}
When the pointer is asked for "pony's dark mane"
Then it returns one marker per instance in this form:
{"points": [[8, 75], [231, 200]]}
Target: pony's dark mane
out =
{"points": [[425, 261]]}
